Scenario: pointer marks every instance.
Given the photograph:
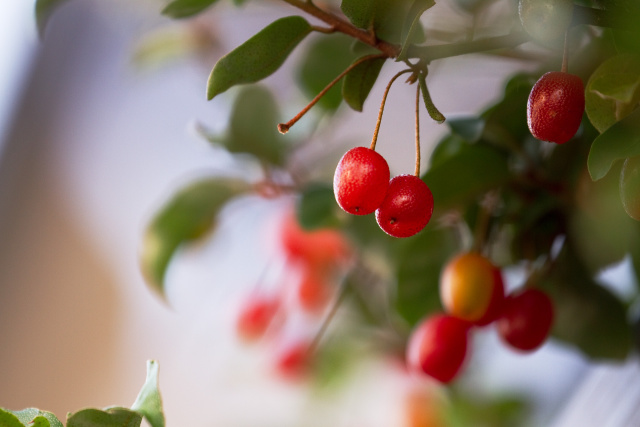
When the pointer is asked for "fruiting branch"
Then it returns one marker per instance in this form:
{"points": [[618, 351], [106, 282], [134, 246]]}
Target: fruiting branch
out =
{"points": [[284, 127], [374, 140]]}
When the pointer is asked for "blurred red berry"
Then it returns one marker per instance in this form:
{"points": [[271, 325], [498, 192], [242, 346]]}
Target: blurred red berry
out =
{"points": [[256, 315], [526, 319]]}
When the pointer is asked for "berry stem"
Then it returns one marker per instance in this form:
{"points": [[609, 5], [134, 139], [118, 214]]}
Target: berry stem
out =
{"points": [[284, 127], [342, 293], [384, 100], [565, 53], [417, 170]]}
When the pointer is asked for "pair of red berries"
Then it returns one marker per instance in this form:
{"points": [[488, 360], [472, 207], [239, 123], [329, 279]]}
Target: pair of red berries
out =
{"points": [[472, 292], [555, 107], [403, 205]]}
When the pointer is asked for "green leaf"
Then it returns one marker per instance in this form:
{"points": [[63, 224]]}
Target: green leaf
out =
{"points": [[149, 403], [448, 146], [43, 10], [361, 13], [587, 315], [317, 207], [613, 90], [428, 103], [253, 126], [112, 417], [466, 175], [34, 417], [8, 419], [412, 23], [186, 8], [325, 59], [418, 266], [258, 57], [360, 80], [469, 128], [620, 141], [630, 187], [187, 216]]}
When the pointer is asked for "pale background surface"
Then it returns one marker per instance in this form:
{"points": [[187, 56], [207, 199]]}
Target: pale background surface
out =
{"points": [[94, 149]]}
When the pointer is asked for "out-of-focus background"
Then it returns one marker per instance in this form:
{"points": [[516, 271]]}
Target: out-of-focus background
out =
{"points": [[90, 145]]}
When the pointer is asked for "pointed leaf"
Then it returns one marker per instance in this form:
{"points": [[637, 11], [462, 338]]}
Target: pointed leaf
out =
{"points": [[44, 9], [187, 216], [186, 8], [412, 23], [253, 126], [612, 92], [620, 141], [149, 402], [466, 175], [34, 417], [469, 128], [360, 80], [112, 417], [258, 57], [361, 13], [323, 60]]}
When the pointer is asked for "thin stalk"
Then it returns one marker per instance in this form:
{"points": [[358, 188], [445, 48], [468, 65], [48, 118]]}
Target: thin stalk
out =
{"points": [[565, 53], [342, 293], [417, 169], [284, 127], [374, 140]]}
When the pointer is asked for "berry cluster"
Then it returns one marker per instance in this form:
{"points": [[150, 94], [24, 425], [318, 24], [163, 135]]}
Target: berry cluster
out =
{"points": [[318, 256], [472, 293], [403, 205]]}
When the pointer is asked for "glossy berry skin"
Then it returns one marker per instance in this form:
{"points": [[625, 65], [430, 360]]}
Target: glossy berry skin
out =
{"points": [[471, 288], [526, 319], [438, 347], [555, 107], [361, 181], [256, 315], [407, 208]]}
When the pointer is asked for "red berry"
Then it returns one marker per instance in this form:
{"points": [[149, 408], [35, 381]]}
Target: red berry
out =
{"points": [[438, 346], [256, 314], [314, 291], [321, 248], [361, 180], [407, 208], [555, 107], [294, 360], [526, 319]]}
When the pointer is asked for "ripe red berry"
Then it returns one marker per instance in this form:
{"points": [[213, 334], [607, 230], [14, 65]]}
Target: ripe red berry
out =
{"points": [[256, 315], [320, 248], [314, 290], [472, 289], [438, 346], [526, 319], [361, 180], [407, 208], [294, 360], [555, 107]]}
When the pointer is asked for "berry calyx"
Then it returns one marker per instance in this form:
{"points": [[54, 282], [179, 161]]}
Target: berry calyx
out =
{"points": [[438, 347], [471, 288], [555, 107], [361, 181], [255, 316], [526, 319], [407, 207]]}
